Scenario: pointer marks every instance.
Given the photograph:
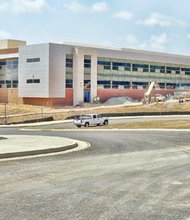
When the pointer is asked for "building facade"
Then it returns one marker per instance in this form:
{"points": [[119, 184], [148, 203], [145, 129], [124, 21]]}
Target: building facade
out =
{"points": [[9, 53], [69, 74]]}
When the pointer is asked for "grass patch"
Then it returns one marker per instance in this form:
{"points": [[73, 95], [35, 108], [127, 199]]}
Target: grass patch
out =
{"points": [[36, 112], [168, 124]]}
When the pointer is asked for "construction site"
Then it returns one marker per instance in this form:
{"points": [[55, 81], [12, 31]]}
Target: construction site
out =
{"points": [[151, 104]]}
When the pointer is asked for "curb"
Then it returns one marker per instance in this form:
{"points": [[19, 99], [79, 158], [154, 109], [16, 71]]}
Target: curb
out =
{"points": [[37, 152]]}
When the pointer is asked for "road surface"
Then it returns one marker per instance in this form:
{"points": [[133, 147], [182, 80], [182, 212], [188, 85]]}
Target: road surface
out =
{"points": [[124, 175]]}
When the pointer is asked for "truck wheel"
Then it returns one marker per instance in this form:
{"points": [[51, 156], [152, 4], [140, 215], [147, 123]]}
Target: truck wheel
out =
{"points": [[79, 126], [86, 124], [106, 122]]}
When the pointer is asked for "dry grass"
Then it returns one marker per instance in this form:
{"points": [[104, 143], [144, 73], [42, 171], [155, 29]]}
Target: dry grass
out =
{"points": [[13, 109], [169, 124], [60, 114]]}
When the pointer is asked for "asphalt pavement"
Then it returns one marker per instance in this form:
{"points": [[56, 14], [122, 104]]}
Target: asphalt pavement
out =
{"points": [[123, 175]]}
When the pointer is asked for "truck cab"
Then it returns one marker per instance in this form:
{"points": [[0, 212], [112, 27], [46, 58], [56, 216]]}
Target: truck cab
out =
{"points": [[90, 120]]}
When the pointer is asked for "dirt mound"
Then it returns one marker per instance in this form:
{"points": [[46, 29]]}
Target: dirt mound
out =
{"points": [[124, 100]]}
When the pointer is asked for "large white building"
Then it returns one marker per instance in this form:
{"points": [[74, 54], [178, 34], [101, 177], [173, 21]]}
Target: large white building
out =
{"points": [[68, 74]]}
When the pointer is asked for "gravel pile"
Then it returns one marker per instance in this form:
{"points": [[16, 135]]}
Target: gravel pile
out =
{"points": [[124, 100]]}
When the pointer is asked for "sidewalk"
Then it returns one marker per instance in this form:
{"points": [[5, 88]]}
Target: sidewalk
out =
{"points": [[20, 145]]}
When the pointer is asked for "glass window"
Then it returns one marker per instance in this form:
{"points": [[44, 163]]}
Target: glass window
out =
{"points": [[29, 81], [69, 83], [153, 68], [87, 63], [186, 70], [33, 60], [69, 62], [104, 63]]}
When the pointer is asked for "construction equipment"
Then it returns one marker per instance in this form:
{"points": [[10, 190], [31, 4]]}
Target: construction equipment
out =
{"points": [[150, 88], [147, 97]]}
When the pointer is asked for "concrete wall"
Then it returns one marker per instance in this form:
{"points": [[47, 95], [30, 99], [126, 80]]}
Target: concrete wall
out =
{"points": [[57, 58], [34, 70], [7, 44], [78, 76]]}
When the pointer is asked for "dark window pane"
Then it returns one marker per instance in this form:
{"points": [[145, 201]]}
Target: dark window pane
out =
{"points": [[29, 81], [36, 81], [107, 67], [87, 65]]}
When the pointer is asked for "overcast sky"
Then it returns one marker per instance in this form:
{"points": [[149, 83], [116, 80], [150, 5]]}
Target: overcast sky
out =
{"points": [[159, 25]]}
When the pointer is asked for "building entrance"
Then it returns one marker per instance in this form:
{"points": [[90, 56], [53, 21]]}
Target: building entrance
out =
{"points": [[86, 96]]}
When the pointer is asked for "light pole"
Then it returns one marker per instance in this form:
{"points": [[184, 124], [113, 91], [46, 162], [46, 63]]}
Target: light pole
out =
{"points": [[5, 104]]}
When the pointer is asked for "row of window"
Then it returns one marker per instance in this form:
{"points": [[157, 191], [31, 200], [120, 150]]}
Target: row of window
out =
{"points": [[8, 81], [116, 65], [143, 67], [127, 84], [117, 84]]}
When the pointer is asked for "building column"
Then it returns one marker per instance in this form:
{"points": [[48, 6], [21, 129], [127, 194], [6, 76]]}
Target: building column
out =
{"points": [[94, 76], [78, 76]]}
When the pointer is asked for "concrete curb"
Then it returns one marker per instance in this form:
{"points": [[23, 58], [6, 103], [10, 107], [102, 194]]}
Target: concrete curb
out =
{"points": [[37, 152], [24, 145], [35, 124]]}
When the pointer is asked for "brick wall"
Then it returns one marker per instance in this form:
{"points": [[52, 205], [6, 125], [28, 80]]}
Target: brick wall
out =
{"points": [[105, 94], [68, 100]]}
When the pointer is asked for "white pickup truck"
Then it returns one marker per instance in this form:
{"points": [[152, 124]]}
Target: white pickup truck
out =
{"points": [[90, 120]]}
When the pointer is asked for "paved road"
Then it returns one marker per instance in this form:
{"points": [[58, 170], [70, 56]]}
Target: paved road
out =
{"points": [[124, 175]]}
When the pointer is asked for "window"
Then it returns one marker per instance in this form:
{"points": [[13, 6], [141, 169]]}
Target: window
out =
{"points": [[115, 68], [107, 67], [87, 63], [36, 81], [105, 83], [104, 63], [28, 81], [69, 83], [173, 69], [186, 70], [154, 68], [136, 67], [69, 62], [33, 60]]}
